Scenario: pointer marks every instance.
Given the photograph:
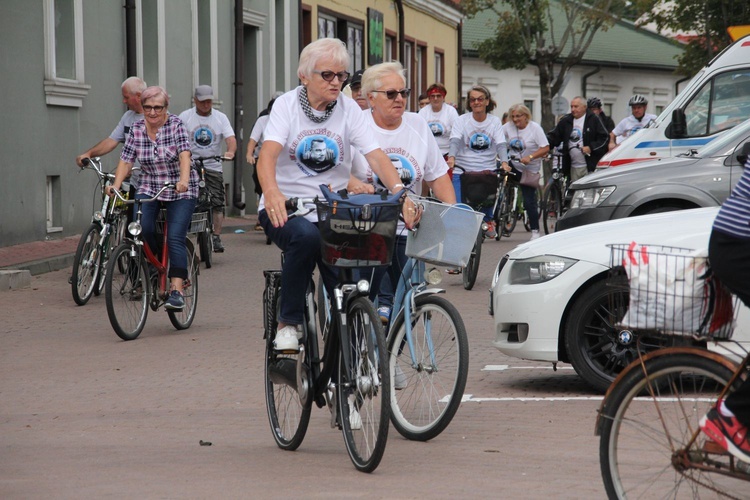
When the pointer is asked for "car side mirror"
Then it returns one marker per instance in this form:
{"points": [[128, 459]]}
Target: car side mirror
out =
{"points": [[678, 128], [744, 153]]}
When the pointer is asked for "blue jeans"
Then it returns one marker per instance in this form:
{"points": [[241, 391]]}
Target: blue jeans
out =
{"points": [[487, 211], [179, 214], [299, 239], [385, 279]]}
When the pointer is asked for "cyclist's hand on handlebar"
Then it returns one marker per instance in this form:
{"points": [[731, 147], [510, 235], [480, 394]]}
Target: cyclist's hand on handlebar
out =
{"points": [[80, 158], [275, 203], [411, 212], [110, 190], [228, 156], [181, 186]]}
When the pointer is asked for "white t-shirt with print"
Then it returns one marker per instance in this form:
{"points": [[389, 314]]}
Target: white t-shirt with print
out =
{"points": [[315, 153], [479, 142], [120, 134], [440, 123], [630, 125], [525, 141], [257, 133], [575, 143], [206, 133]]}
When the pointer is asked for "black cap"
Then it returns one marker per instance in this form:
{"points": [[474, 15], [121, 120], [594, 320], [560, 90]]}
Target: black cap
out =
{"points": [[357, 77]]}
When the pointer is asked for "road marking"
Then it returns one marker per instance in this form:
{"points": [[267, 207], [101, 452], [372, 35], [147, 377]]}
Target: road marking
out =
{"points": [[500, 368], [469, 398]]}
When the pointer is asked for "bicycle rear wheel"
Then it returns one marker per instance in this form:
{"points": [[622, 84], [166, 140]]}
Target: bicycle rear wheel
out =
{"points": [[206, 245], [469, 273], [86, 265], [127, 292], [427, 390], [643, 438], [184, 318], [363, 392], [553, 204], [507, 216]]}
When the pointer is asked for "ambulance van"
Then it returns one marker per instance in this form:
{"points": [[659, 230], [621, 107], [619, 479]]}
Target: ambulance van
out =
{"points": [[715, 100]]}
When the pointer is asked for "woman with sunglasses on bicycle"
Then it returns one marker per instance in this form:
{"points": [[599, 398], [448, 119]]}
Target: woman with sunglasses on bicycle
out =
{"points": [[409, 143], [308, 142], [477, 142], [160, 143]]}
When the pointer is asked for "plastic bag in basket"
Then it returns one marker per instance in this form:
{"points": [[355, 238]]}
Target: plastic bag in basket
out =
{"points": [[666, 288]]}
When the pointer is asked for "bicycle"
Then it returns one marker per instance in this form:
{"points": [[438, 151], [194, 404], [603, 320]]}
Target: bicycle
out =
{"points": [[651, 444], [131, 288], [205, 237], [97, 241], [351, 378], [553, 205], [427, 342]]}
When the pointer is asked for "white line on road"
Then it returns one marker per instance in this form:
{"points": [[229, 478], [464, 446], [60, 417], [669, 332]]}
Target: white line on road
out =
{"points": [[469, 398], [500, 368]]}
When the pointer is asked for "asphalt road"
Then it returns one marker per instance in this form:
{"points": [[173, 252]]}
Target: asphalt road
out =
{"points": [[86, 415]]}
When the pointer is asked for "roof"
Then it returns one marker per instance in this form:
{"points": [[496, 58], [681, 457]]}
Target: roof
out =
{"points": [[622, 45]]}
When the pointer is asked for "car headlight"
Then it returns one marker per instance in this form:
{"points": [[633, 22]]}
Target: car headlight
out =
{"points": [[592, 197], [538, 269]]}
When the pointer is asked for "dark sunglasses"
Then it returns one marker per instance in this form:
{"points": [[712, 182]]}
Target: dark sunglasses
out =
{"points": [[158, 109], [330, 75], [391, 94]]}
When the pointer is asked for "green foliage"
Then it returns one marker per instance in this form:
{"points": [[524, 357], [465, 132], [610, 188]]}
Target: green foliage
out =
{"points": [[506, 49]]}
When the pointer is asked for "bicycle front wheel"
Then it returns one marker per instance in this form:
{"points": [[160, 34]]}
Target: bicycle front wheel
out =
{"points": [[116, 236], [363, 390], [86, 265], [507, 216], [428, 374], [643, 438], [553, 204], [469, 273], [184, 318], [126, 292]]}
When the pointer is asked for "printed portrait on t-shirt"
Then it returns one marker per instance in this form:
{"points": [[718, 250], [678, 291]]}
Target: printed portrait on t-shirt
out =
{"points": [[436, 128], [516, 145], [406, 171], [575, 135], [203, 136], [317, 153], [479, 141]]}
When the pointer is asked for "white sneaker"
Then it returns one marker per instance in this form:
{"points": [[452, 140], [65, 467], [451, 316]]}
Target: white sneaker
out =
{"points": [[399, 379], [286, 339], [355, 420], [534, 234]]}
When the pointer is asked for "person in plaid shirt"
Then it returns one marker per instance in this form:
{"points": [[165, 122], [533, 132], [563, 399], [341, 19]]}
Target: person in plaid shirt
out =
{"points": [[160, 143]]}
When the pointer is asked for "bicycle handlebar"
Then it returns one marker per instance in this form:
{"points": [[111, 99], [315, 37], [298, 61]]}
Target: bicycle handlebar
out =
{"points": [[144, 200], [95, 164]]}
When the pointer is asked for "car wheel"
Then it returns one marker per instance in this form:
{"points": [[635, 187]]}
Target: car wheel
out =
{"points": [[597, 348]]}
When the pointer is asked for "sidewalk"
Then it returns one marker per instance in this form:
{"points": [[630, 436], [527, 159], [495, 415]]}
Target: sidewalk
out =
{"points": [[39, 257]]}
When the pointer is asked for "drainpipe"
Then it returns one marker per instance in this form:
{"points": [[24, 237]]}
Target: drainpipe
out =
{"points": [[130, 56], [239, 44], [585, 79]]}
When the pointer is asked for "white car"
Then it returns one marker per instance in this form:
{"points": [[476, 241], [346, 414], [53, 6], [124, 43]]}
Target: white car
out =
{"points": [[550, 297]]}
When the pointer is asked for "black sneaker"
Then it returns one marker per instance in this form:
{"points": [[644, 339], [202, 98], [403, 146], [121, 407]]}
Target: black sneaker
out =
{"points": [[218, 247], [175, 302]]}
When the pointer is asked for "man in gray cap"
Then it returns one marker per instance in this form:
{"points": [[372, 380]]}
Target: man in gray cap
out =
{"points": [[206, 128]]}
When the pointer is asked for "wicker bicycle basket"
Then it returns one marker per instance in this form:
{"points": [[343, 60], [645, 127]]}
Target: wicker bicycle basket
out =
{"points": [[671, 291]]}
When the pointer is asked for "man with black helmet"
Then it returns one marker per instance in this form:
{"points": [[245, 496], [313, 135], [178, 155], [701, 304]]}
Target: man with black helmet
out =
{"points": [[633, 123], [595, 105]]}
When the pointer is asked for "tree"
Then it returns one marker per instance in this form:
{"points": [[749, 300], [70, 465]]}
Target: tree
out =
{"points": [[707, 20], [533, 32]]}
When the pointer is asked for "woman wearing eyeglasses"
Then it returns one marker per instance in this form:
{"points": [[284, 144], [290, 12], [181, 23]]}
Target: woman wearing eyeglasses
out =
{"points": [[308, 142], [407, 140], [439, 116], [160, 144], [477, 140]]}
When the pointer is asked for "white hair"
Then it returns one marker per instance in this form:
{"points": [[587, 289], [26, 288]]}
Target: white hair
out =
{"points": [[371, 79], [324, 47]]}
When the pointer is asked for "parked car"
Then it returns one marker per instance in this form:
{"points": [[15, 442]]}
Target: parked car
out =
{"points": [[551, 297], [702, 178]]}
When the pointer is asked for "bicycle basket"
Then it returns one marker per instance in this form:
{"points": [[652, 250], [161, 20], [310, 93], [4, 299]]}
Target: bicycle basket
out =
{"points": [[672, 291], [478, 188], [198, 222], [445, 235], [358, 230]]}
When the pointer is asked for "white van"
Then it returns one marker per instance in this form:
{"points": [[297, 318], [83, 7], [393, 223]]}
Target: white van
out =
{"points": [[715, 100]]}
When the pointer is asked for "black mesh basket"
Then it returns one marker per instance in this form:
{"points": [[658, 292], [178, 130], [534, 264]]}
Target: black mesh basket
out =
{"points": [[358, 236], [478, 188]]}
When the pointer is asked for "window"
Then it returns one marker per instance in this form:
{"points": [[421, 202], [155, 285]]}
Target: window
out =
{"points": [[150, 44], [54, 204], [355, 46], [205, 43], [439, 68], [408, 63], [349, 31], [326, 26], [721, 104], [421, 70], [391, 48], [529, 103], [63, 38]]}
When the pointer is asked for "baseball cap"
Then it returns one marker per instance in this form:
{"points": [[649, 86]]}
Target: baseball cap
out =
{"points": [[204, 92], [357, 77]]}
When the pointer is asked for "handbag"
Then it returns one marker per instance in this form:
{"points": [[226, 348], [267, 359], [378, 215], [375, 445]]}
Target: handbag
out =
{"points": [[530, 179]]}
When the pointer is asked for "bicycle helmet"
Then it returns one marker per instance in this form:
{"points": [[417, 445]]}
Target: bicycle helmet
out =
{"points": [[594, 102], [637, 99]]}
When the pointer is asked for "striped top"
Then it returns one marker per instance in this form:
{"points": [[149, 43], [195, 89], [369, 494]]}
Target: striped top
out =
{"points": [[733, 218]]}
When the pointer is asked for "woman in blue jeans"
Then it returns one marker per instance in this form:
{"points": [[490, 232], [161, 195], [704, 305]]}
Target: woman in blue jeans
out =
{"points": [[160, 143]]}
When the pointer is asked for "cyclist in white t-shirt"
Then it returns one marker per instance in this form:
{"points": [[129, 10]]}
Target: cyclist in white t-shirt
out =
{"points": [[439, 116], [633, 123]]}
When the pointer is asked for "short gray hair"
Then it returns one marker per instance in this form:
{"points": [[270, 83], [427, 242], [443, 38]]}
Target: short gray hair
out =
{"points": [[520, 108], [324, 47], [155, 91], [134, 85], [371, 79]]}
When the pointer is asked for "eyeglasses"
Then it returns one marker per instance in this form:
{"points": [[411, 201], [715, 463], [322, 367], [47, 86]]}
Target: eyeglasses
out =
{"points": [[477, 99], [330, 75], [149, 109], [391, 94]]}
